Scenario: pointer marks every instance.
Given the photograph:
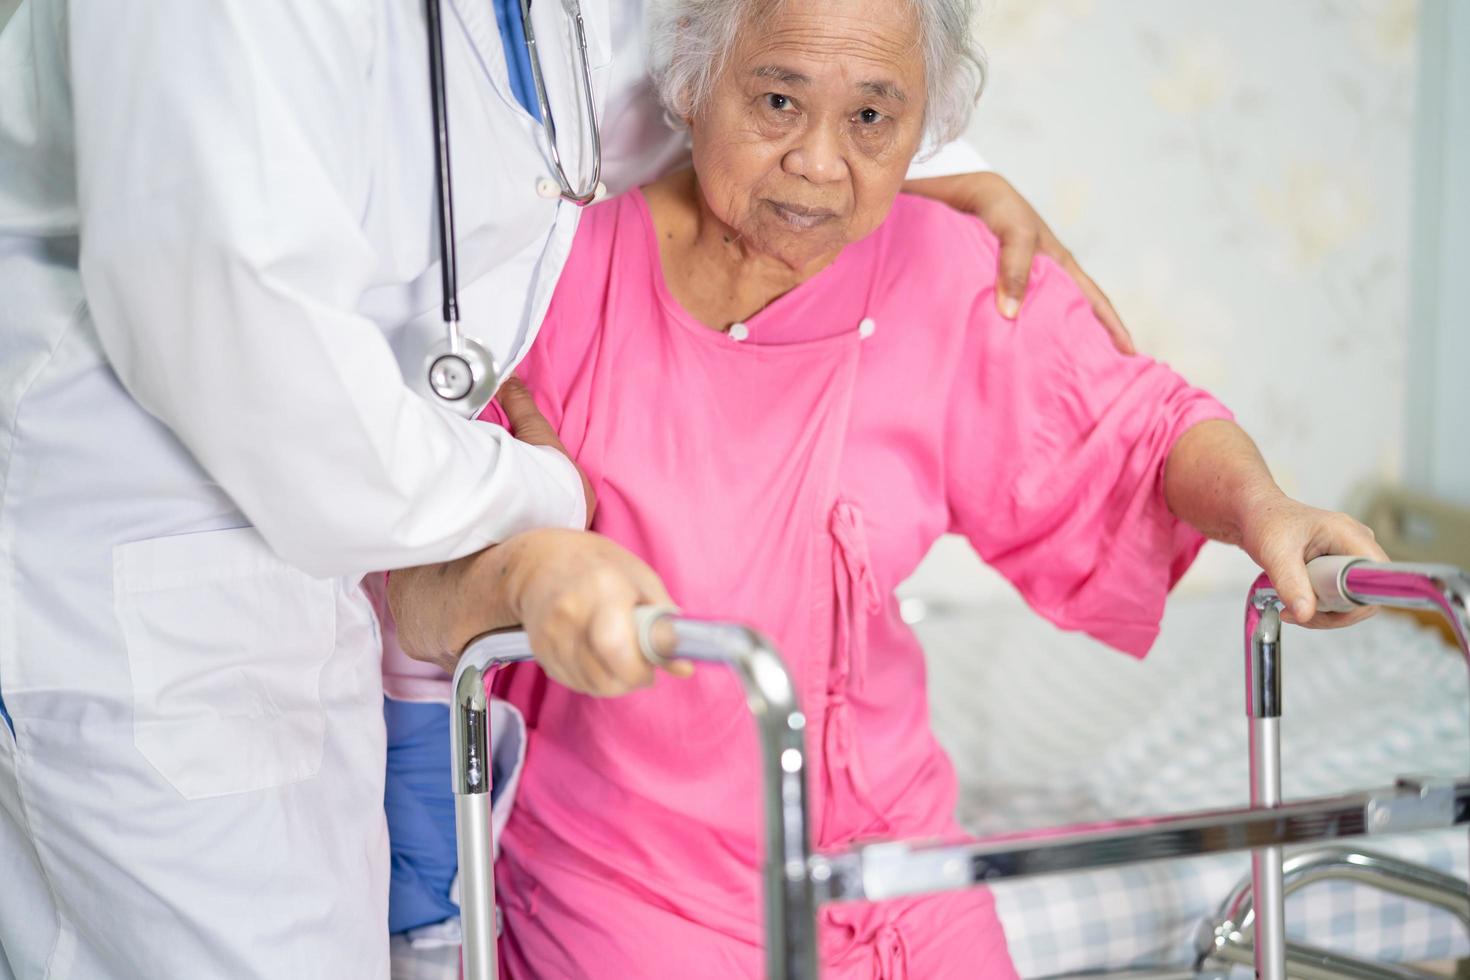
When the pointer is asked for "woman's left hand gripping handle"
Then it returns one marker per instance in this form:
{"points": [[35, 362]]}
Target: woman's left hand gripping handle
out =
{"points": [[1282, 535]]}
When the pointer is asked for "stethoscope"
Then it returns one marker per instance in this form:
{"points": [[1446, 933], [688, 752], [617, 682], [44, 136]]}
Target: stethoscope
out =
{"points": [[462, 372]]}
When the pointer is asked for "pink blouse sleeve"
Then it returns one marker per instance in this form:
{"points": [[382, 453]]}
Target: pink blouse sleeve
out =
{"points": [[1055, 448]]}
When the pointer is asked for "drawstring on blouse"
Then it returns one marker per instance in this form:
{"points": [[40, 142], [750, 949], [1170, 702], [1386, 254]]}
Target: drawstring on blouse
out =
{"points": [[858, 599], [876, 930], [857, 595], [892, 951]]}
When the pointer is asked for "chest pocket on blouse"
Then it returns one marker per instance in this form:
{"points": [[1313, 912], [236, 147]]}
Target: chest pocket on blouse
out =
{"points": [[226, 643]]}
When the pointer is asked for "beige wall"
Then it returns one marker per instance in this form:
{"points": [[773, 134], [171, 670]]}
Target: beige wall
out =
{"points": [[1238, 177]]}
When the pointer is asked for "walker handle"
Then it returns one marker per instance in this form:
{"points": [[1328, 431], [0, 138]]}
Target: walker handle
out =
{"points": [[790, 899], [1328, 576], [1344, 583]]}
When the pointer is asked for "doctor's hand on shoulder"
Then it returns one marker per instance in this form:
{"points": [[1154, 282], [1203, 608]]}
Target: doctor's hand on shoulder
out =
{"points": [[573, 591], [1022, 234]]}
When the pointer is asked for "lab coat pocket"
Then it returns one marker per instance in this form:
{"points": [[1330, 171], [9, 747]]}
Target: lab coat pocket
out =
{"points": [[225, 644]]}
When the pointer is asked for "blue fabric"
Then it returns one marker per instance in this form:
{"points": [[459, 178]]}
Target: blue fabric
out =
{"points": [[517, 55], [419, 802], [6, 715]]}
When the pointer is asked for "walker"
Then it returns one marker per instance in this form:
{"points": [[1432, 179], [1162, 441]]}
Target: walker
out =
{"points": [[797, 882]]}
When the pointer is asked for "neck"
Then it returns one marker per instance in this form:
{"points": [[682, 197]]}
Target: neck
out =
{"points": [[723, 247], [714, 273]]}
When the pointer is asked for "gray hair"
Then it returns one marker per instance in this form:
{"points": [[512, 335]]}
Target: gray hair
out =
{"points": [[691, 40]]}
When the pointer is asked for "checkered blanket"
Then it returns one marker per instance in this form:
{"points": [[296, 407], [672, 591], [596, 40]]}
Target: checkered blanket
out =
{"points": [[1073, 732]]}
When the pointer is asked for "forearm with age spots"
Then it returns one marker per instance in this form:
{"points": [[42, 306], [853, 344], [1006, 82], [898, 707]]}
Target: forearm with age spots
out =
{"points": [[1215, 478], [438, 609]]}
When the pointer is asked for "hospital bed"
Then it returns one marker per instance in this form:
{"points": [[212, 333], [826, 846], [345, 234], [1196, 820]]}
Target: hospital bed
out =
{"points": [[1250, 926]]}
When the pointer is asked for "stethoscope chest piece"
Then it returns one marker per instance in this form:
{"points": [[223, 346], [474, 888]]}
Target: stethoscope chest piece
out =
{"points": [[462, 381], [461, 374]]}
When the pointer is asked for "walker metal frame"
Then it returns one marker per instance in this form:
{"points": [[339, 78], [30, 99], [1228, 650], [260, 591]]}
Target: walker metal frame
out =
{"points": [[798, 882], [1229, 939]]}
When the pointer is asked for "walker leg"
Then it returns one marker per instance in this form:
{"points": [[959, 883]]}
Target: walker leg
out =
{"points": [[470, 738], [1263, 706], [1341, 583], [1266, 878], [477, 890]]}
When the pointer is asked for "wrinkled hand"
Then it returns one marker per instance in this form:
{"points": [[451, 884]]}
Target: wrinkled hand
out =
{"points": [[1022, 233], [1282, 535], [574, 592], [528, 425]]}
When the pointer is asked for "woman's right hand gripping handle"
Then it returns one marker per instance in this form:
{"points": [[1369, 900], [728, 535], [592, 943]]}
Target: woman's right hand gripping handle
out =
{"points": [[574, 592]]}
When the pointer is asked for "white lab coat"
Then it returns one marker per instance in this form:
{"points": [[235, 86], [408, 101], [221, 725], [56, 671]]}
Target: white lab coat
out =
{"points": [[218, 262]]}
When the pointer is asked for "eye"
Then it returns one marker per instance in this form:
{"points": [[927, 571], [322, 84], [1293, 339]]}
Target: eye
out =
{"points": [[869, 116], [778, 101]]}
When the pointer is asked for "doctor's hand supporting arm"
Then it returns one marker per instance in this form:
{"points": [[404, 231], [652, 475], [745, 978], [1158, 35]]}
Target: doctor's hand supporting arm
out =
{"points": [[528, 425], [1216, 480], [573, 591]]}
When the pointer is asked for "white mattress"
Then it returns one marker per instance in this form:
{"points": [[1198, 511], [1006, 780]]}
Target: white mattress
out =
{"points": [[1048, 728]]}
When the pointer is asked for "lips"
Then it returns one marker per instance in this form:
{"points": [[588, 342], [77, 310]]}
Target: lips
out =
{"points": [[799, 216]]}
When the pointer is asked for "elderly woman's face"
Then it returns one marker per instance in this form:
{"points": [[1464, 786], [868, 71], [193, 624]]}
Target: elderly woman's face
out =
{"points": [[808, 133]]}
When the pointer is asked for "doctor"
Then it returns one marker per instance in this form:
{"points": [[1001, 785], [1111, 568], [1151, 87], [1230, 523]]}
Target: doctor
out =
{"points": [[219, 261]]}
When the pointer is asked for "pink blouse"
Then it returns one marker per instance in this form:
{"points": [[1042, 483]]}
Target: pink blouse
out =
{"points": [[789, 475]]}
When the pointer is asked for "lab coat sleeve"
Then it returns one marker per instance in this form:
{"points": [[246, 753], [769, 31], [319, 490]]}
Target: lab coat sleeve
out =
{"points": [[222, 151], [1055, 457]]}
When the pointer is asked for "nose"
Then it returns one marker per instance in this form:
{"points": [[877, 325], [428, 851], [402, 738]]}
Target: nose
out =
{"points": [[816, 156]]}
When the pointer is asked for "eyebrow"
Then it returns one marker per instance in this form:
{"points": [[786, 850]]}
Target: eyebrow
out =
{"points": [[780, 74], [884, 90], [877, 89]]}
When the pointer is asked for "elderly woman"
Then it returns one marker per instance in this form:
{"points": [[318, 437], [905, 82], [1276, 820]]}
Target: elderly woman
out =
{"points": [[783, 389]]}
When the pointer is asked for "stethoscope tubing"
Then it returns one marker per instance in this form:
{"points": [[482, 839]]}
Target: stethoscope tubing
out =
{"points": [[444, 179], [548, 121], [455, 360]]}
